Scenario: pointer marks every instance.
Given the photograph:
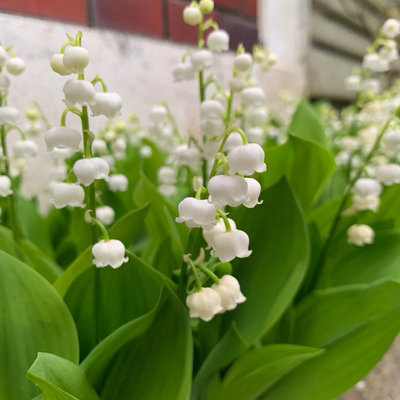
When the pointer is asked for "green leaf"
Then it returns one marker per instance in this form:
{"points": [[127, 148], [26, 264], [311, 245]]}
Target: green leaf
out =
{"points": [[353, 264], [33, 225], [60, 379], [278, 160], [271, 276], [355, 324], [33, 318], [225, 351], [123, 294], [124, 229], [312, 163], [157, 365], [8, 244], [258, 369]]}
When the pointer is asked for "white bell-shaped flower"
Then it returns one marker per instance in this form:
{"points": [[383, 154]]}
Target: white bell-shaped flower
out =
{"points": [[4, 83], [79, 91], [352, 83], [3, 56], [388, 174], [253, 193], [360, 235], [108, 104], [110, 136], [204, 304], [237, 84], [391, 141], [229, 292], [119, 146], [218, 41], [168, 190], [159, 114], [234, 140], [218, 228], [105, 214], [211, 109], [202, 60], [15, 66], [342, 158], [243, 62], [65, 194], [118, 183], [146, 151], [110, 253], [57, 65], [5, 186], [167, 175], [256, 115], [363, 203], [188, 156], [367, 186], [192, 15], [255, 134], [99, 146], [228, 190], [197, 213], [391, 28], [229, 245], [25, 148], [88, 169], [212, 127], [253, 96], [62, 137], [246, 159], [184, 71], [9, 115], [76, 59]]}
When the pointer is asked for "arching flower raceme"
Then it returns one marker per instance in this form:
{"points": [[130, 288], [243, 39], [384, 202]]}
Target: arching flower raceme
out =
{"points": [[228, 190], [254, 190], [218, 228], [3, 56], [211, 109], [5, 186], [184, 71], [65, 194], [118, 183], [243, 62], [218, 41], [89, 169], [167, 175], [391, 140], [15, 66], [108, 104], [202, 60], [159, 114], [105, 214], [192, 15], [76, 59], [391, 28], [388, 174], [57, 65], [360, 235], [4, 83], [99, 146], [78, 91], [9, 115], [229, 245], [197, 213], [168, 190], [229, 292], [366, 186], [204, 304], [352, 83], [25, 148], [253, 96], [246, 159], [62, 138], [110, 253]]}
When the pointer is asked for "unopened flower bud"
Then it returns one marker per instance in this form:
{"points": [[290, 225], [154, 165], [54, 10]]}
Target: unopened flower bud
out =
{"points": [[15, 66], [99, 146], [243, 62], [146, 151], [192, 15], [237, 84], [57, 65], [206, 6], [119, 145]]}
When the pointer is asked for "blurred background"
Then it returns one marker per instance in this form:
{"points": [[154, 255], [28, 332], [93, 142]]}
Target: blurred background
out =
{"points": [[134, 44]]}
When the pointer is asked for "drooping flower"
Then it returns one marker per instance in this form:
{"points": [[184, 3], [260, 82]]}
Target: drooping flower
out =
{"points": [[218, 228], [89, 169], [79, 91], [253, 192], [15, 66], [76, 59], [5, 186], [99, 146], [388, 174], [184, 71], [62, 137], [108, 104], [57, 65], [9, 115], [204, 304], [360, 235], [367, 186], [253, 96], [167, 175], [197, 213], [391, 28], [110, 253], [105, 214], [25, 148], [202, 60], [229, 292], [228, 190], [243, 62], [218, 41], [118, 183], [229, 245], [246, 159], [65, 194]]}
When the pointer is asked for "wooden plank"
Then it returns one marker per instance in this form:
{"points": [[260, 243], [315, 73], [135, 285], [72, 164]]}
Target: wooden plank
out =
{"points": [[338, 37]]}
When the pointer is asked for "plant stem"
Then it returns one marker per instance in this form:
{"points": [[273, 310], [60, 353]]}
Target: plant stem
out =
{"points": [[338, 215]]}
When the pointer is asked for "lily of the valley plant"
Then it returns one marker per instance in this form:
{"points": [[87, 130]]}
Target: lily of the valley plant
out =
{"points": [[254, 257]]}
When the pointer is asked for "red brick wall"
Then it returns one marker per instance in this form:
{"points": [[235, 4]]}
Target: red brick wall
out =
{"points": [[156, 18]]}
